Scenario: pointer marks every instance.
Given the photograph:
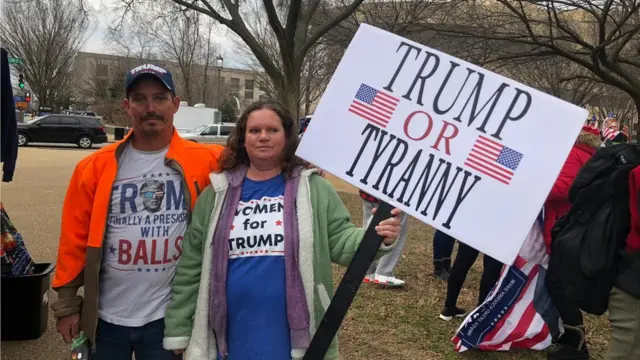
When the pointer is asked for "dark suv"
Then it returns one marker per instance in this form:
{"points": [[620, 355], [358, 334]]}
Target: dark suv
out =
{"points": [[67, 129]]}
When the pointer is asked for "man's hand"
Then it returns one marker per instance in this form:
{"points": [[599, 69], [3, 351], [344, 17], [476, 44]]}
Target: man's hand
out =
{"points": [[68, 326]]}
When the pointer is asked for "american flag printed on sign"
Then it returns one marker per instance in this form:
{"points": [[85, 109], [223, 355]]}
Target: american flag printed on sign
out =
{"points": [[374, 105], [493, 159]]}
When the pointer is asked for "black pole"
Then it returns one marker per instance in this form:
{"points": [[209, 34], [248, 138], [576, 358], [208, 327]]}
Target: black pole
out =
{"points": [[348, 287]]}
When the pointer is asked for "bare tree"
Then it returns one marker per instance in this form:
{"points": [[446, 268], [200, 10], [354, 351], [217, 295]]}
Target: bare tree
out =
{"points": [[131, 43], [181, 38], [46, 35], [291, 23], [602, 36], [104, 89], [556, 76], [616, 102], [206, 58], [401, 17], [318, 66]]}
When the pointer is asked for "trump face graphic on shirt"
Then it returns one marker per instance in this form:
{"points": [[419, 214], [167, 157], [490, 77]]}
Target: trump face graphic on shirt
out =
{"points": [[152, 193]]}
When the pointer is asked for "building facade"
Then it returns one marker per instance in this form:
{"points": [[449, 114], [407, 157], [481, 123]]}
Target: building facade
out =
{"points": [[99, 78]]}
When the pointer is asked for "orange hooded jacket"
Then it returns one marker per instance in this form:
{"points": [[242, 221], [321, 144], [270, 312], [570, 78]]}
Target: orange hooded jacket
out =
{"points": [[86, 210]]}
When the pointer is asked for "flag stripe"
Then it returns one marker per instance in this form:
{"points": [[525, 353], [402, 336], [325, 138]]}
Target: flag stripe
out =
{"points": [[361, 107], [374, 105], [515, 312], [480, 170], [377, 122], [382, 107], [490, 169], [490, 161], [490, 142], [370, 109], [385, 102], [484, 157], [391, 99]]}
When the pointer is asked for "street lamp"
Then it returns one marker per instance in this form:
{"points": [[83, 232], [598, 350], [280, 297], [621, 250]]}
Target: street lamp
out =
{"points": [[219, 64]]}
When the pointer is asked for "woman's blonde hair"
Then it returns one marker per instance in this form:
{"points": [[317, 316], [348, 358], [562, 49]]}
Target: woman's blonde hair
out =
{"points": [[589, 139]]}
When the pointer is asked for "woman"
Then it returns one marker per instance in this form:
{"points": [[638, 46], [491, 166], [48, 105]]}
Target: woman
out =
{"points": [[465, 258], [571, 345], [256, 259]]}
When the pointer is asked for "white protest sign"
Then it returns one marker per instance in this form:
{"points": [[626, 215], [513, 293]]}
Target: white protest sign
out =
{"points": [[470, 152]]}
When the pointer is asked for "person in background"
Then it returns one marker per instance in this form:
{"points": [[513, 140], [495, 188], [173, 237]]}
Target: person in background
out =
{"points": [[117, 199], [442, 250], [624, 301], [465, 258], [381, 271], [570, 345], [255, 277]]}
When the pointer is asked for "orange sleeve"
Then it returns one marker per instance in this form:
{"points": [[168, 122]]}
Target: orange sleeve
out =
{"points": [[74, 233], [215, 157]]}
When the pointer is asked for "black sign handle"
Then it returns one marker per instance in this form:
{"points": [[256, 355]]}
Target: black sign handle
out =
{"points": [[348, 287]]}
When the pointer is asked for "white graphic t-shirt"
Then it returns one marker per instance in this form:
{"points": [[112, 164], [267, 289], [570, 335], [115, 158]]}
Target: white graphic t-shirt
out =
{"points": [[143, 242]]}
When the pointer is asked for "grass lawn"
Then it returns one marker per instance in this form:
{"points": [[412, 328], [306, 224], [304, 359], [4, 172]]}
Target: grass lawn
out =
{"points": [[403, 323]]}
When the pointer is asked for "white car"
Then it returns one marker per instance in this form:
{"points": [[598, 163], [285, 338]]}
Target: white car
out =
{"points": [[209, 134]]}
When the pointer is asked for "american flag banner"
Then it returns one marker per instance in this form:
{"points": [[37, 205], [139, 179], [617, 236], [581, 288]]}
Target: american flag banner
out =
{"points": [[493, 159], [518, 313], [610, 134], [374, 105]]}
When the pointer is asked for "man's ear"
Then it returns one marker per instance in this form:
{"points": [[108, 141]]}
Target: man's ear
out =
{"points": [[176, 103], [126, 105]]}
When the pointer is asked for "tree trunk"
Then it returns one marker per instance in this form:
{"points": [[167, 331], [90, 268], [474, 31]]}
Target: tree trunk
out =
{"points": [[205, 79], [289, 92], [307, 92]]}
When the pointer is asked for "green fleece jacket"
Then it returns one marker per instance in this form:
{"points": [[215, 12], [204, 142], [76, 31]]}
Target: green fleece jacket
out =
{"points": [[326, 235]]}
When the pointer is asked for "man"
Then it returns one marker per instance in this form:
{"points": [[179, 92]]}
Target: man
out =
{"points": [[125, 213], [381, 272]]}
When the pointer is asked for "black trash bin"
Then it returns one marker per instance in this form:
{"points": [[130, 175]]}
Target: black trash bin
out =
{"points": [[25, 304]]}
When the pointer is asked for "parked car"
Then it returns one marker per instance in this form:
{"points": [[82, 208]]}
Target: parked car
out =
{"points": [[63, 129], [209, 134]]}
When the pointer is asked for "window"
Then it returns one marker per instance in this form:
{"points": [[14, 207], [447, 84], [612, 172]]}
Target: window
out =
{"points": [[92, 122], [226, 130], [68, 121], [102, 70], [249, 85], [213, 130], [234, 86], [50, 121]]}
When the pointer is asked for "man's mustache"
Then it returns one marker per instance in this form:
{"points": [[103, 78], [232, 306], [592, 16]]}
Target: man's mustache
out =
{"points": [[153, 116]]}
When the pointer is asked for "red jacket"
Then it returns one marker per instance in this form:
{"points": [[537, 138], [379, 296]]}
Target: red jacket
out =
{"points": [[557, 203], [633, 239]]}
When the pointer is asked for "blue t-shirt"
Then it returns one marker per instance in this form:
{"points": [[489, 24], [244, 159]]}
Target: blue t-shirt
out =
{"points": [[257, 326]]}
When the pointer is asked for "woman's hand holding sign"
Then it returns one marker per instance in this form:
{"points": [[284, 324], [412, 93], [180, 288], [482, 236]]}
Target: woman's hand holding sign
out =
{"points": [[390, 228]]}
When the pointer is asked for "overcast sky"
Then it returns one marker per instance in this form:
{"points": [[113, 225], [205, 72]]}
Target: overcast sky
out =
{"points": [[96, 42]]}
